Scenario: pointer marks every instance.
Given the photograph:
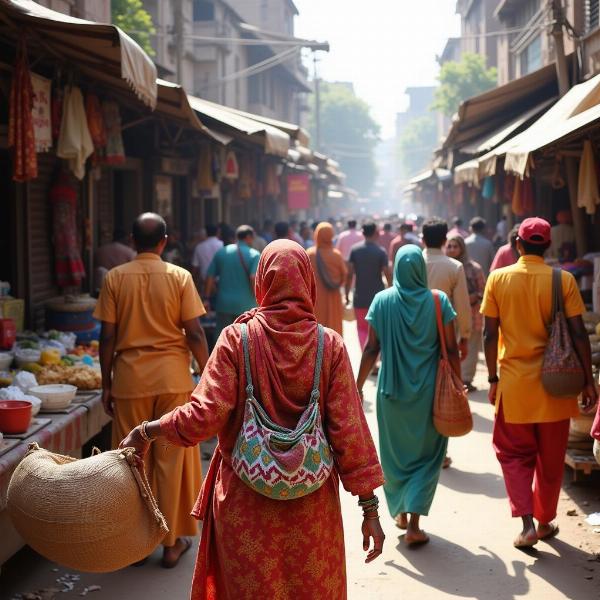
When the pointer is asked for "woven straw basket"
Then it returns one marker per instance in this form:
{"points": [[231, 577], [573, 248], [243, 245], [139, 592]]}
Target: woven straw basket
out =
{"points": [[97, 514]]}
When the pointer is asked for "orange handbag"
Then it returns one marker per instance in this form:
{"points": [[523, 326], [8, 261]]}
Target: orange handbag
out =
{"points": [[451, 412]]}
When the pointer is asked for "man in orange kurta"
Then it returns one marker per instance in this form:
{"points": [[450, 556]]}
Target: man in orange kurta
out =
{"points": [[531, 426], [149, 311]]}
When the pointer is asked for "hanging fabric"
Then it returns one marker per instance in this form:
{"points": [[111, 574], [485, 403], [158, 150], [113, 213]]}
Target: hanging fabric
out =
{"points": [[58, 98], [74, 142], [245, 185], [517, 197], [20, 122], [587, 189], [115, 150], [272, 186], [95, 121], [232, 169], [42, 123], [67, 258], [528, 196], [488, 190]]}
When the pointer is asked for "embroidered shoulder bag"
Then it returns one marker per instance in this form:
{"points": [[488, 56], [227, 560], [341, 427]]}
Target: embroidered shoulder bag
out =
{"points": [[562, 373], [275, 461]]}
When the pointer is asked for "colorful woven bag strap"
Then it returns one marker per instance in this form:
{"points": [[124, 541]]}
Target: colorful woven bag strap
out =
{"points": [[314, 395], [249, 385]]}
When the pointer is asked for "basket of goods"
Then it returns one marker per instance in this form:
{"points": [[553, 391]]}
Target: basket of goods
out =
{"points": [[96, 514]]}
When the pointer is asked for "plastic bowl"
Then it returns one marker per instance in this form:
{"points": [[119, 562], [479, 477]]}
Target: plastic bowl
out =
{"points": [[54, 396], [15, 416]]}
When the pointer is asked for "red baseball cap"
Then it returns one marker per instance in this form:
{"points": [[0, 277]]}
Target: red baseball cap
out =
{"points": [[535, 231]]}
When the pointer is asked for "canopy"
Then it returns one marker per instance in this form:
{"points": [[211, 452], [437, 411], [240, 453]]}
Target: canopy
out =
{"points": [[275, 141], [429, 175], [576, 109], [173, 102], [467, 172], [102, 51]]}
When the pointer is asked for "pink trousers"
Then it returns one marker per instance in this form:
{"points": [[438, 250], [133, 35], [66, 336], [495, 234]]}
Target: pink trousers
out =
{"points": [[362, 326], [532, 457]]}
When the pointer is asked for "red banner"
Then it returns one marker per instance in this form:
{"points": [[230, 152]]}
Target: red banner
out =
{"points": [[298, 191]]}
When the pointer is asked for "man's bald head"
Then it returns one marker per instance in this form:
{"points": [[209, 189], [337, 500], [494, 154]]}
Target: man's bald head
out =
{"points": [[149, 232]]}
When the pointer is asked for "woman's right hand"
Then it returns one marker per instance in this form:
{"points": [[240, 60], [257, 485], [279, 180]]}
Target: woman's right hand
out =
{"points": [[135, 440], [371, 529]]}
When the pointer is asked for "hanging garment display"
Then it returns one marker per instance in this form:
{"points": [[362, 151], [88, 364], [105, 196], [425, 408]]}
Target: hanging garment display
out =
{"points": [[20, 122], [67, 258], [95, 121], [587, 189], [528, 196], [272, 185], [74, 142], [58, 97], [517, 197], [232, 169], [42, 124], [488, 191], [204, 171], [245, 185], [115, 150]]}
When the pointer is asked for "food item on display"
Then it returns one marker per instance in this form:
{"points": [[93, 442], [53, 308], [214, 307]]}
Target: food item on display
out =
{"points": [[6, 378], [84, 378], [50, 356], [591, 317], [56, 396], [32, 368], [6, 359]]}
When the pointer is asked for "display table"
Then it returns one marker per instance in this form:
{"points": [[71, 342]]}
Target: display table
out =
{"points": [[64, 434]]}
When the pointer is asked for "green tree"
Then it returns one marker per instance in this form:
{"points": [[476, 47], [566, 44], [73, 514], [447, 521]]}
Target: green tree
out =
{"points": [[462, 80], [135, 20], [416, 145], [349, 134]]}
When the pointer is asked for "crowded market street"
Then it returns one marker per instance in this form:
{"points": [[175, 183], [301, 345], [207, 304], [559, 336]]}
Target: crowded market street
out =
{"points": [[470, 554]]}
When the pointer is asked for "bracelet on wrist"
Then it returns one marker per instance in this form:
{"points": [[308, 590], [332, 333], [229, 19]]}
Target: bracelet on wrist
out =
{"points": [[144, 432], [493, 379]]}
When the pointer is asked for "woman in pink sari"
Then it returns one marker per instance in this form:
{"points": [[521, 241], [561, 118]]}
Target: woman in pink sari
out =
{"points": [[253, 546]]}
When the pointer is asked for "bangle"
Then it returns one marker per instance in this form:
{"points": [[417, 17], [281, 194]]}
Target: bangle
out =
{"points": [[369, 501], [374, 517], [144, 433], [493, 379]]}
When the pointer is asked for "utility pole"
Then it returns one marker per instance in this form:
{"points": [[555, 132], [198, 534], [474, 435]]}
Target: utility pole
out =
{"points": [[317, 104], [562, 73]]}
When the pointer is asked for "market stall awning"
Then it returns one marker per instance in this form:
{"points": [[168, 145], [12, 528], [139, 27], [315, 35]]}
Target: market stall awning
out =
{"points": [[467, 172], [294, 131], [100, 50], [173, 102], [275, 141], [575, 110], [430, 175], [490, 111], [496, 137]]}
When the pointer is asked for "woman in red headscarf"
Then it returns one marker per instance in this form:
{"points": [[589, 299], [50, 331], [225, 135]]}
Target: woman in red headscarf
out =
{"points": [[330, 273], [253, 546]]}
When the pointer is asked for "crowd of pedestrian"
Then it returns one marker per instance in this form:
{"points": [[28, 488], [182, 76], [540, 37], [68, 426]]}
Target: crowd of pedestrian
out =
{"points": [[271, 288]]}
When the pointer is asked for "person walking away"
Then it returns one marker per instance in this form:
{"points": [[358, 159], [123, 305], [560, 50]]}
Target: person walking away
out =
{"points": [[330, 274], [268, 232], [501, 231], [346, 240], [175, 252], [111, 255], [457, 228], [508, 254], [282, 231], [259, 243], [149, 311], [531, 426], [293, 233], [254, 546], [405, 236], [457, 249], [403, 327], [307, 235], [234, 266], [385, 237], [369, 263], [480, 249], [204, 253]]}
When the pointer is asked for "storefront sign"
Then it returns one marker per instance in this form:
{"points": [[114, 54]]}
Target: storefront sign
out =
{"points": [[174, 166], [298, 191]]}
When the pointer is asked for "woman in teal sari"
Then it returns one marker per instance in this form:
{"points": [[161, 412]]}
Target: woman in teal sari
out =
{"points": [[402, 326]]}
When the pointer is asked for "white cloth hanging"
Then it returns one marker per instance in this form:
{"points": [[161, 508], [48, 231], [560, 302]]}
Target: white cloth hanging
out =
{"points": [[588, 196], [74, 141]]}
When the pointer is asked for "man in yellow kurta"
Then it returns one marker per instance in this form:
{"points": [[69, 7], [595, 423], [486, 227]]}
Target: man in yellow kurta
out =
{"points": [[531, 428], [149, 311]]}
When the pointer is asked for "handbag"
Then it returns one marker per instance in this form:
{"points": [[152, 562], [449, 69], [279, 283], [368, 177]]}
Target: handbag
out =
{"points": [[562, 373], [451, 412], [277, 462]]}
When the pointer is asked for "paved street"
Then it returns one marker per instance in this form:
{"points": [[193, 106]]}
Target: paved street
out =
{"points": [[470, 554]]}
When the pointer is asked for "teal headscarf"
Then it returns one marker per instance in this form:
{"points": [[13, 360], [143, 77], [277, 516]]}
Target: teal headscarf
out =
{"points": [[404, 318]]}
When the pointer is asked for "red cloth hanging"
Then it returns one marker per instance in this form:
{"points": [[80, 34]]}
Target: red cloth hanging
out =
{"points": [[95, 121], [20, 120]]}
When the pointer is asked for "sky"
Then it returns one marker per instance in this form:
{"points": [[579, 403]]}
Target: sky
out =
{"points": [[382, 46]]}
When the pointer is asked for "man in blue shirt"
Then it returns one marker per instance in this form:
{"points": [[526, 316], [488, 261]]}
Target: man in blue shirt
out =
{"points": [[235, 268]]}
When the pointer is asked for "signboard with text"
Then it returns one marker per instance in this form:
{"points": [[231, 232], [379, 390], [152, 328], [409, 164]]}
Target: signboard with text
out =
{"points": [[298, 191]]}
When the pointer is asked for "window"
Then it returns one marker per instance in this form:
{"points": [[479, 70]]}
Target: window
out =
{"points": [[204, 10], [592, 15], [530, 58]]}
